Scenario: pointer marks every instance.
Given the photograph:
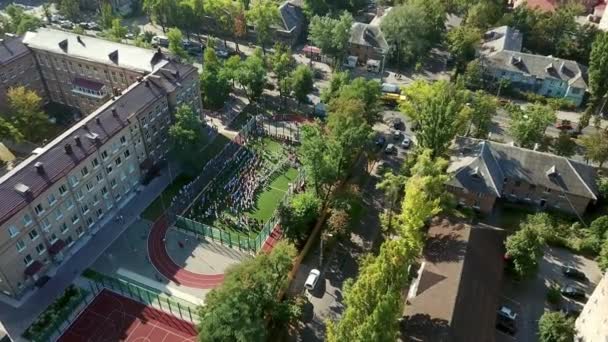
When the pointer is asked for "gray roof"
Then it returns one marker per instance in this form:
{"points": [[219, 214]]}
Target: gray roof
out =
{"points": [[292, 16], [57, 163], [368, 35], [502, 38], [542, 67], [482, 166], [92, 49], [11, 48]]}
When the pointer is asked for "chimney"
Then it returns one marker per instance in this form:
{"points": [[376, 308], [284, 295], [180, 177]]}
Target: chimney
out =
{"points": [[114, 56], [77, 140], [147, 83], [159, 51], [114, 112], [98, 120], [39, 167], [68, 149], [63, 44], [79, 40]]}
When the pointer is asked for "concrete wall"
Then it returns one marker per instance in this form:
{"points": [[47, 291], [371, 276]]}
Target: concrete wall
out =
{"points": [[592, 324]]}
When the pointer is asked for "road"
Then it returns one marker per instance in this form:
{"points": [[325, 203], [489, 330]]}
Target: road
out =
{"points": [[341, 262]]}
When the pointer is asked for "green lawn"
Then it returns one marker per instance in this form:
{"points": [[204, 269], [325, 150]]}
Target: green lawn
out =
{"points": [[269, 200]]}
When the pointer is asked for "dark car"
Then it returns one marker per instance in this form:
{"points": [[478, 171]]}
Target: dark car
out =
{"points": [[570, 310], [508, 327], [42, 280], [573, 273], [380, 141], [572, 291]]}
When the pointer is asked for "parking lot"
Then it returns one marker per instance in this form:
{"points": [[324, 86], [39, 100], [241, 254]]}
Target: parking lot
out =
{"points": [[528, 298]]}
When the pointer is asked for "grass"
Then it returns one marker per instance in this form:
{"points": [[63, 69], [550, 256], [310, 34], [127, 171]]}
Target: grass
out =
{"points": [[269, 200]]}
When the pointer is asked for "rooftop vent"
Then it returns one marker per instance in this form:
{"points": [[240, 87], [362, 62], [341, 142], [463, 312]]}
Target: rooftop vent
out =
{"points": [[39, 168], [114, 112], [550, 67], [63, 44], [79, 40], [552, 172], [98, 120], [475, 172], [77, 140], [68, 149], [93, 136], [515, 60], [22, 188], [114, 56]]}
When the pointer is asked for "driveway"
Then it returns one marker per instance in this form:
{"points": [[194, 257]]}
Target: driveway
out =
{"points": [[528, 298]]}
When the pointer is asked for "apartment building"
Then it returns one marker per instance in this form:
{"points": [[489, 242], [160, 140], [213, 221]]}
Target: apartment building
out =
{"points": [[17, 68], [485, 172], [592, 324], [59, 195]]}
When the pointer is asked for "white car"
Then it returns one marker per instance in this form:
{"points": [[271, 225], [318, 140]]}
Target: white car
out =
{"points": [[406, 143], [313, 279]]}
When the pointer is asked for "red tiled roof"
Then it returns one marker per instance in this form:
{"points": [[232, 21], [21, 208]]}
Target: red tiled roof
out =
{"points": [[33, 268], [57, 246], [543, 5], [311, 49], [92, 85]]}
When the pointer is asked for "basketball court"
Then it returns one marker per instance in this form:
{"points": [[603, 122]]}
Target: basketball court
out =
{"points": [[111, 317]]}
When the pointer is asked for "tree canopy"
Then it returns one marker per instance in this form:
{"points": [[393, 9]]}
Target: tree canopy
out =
{"points": [[252, 77], [555, 327], [598, 70], [18, 21], [462, 42], [214, 81], [596, 146], [524, 249], [263, 14], [186, 136], [302, 83], [26, 117], [331, 35], [528, 125]]}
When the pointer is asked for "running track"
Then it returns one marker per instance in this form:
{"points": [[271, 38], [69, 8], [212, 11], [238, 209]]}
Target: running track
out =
{"points": [[165, 265]]}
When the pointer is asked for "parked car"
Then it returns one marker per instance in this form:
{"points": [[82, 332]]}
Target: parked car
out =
{"points": [[390, 149], [313, 279], [222, 53], [504, 312], [160, 41], [506, 327], [129, 36], [66, 24], [398, 124], [396, 134], [380, 141], [406, 143], [94, 26], [572, 292], [573, 273], [564, 125], [570, 310]]}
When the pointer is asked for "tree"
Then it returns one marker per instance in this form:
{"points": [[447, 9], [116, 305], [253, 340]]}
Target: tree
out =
{"points": [[186, 136], [117, 31], [337, 81], [252, 77], [438, 108], [528, 125], [474, 75], [314, 154], [215, 83], [598, 71], [393, 187], [367, 91], [596, 146], [175, 42], [599, 227], [555, 327], [46, 10], [224, 13], [263, 14], [524, 249], [8, 131], [107, 16], [564, 145], [302, 83], [18, 21], [480, 111], [484, 14], [239, 309], [413, 28], [338, 222], [162, 12], [69, 8], [282, 63], [26, 115], [299, 215], [231, 68], [462, 43], [603, 257], [331, 35]]}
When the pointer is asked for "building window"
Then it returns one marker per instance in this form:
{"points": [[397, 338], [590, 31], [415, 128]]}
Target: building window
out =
{"points": [[39, 210], [13, 231], [33, 234], [123, 176], [79, 194], [104, 191], [99, 177], [73, 180], [90, 186], [95, 162], [517, 183], [84, 209], [28, 260], [84, 171], [58, 215], [104, 154], [109, 169], [51, 198], [99, 213], [131, 168], [75, 219], [63, 190], [46, 224], [27, 220], [40, 249], [89, 221], [113, 183], [123, 140], [127, 154], [64, 227], [69, 204], [20, 246], [53, 238], [69, 241], [79, 231], [118, 161]]}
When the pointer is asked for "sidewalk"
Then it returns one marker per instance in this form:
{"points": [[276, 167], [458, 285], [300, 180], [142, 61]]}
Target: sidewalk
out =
{"points": [[16, 320]]}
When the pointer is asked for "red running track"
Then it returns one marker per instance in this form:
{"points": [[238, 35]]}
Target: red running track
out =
{"points": [[111, 317], [165, 265]]}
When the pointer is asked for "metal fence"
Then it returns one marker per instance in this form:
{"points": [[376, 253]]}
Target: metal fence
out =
{"points": [[238, 240]]}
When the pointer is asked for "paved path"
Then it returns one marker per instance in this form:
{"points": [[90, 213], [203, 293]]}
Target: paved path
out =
{"points": [[16, 320]]}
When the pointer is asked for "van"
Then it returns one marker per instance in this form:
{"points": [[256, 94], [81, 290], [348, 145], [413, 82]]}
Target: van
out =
{"points": [[160, 41], [313, 279]]}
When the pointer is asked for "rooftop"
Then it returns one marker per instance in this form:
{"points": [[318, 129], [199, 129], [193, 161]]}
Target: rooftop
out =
{"points": [[455, 296], [482, 166], [368, 35], [11, 48], [92, 49], [291, 15], [502, 38]]}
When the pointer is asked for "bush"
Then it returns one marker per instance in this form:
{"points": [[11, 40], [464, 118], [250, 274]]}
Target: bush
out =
{"points": [[553, 294], [555, 103], [602, 186], [603, 257]]}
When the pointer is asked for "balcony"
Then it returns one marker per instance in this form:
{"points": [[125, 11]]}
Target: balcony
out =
{"points": [[88, 88]]}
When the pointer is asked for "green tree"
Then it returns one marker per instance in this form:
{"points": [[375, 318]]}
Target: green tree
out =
{"points": [[117, 31], [331, 35], [175, 37], [107, 16], [314, 155], [69, 8], [298, 217], [186, 137], [439, 109], [224, 12], [302, 83], [18, 21], [555, 327], [26, 115], [337, 81], [462, 43], [528, 125], [482, 110], [599, 227], [393, 187], [282, 63], [474, 75], [263, 14], [564, 145], [596, 146], [367, 91], [524, 249], [413, 28], [598, 71], [484, 14], [215, 84], [603, 257], [231, 68], [338, 222], [8, 131], [163, 12], [240, 308], [252, 77], [46, 10]]}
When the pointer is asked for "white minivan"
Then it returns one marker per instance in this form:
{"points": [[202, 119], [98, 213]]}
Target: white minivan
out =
{"points": [[313, 279], [160, 41]]}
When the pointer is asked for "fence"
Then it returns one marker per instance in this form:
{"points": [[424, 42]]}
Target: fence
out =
{"points": [[282, 130], [235, 239]]}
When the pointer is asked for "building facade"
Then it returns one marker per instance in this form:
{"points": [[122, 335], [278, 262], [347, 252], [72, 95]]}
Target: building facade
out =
{"points": [[60, 195], [592, 324], [17, 68], [484, 172]]}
